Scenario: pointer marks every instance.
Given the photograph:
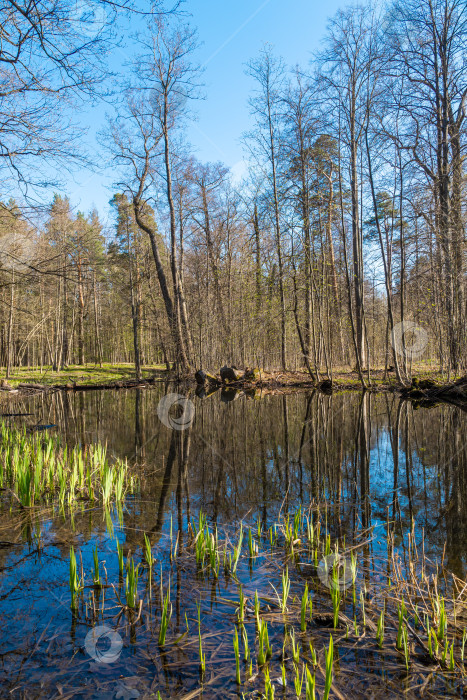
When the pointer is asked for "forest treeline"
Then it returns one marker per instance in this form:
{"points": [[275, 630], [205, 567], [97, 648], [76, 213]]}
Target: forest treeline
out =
{"points": [[350, 222]]}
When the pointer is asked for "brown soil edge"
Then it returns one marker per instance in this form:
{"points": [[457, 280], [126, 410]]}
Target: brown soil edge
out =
{"points": [[423, 392]]}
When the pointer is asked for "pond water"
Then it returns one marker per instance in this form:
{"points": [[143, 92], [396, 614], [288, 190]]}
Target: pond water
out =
{"points": [[369, 462]]}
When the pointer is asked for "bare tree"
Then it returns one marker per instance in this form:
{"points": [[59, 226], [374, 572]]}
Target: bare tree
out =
{"points": [[168, 79], [347, 65], [429, 65], [266, 105]]}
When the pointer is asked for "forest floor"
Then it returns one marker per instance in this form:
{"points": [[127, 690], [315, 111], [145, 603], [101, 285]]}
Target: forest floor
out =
{"points": [[343, 378], [428, 385]]}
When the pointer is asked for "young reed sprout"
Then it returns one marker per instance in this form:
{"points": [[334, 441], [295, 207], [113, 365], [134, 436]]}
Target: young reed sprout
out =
{"points": [[442, 625], [251, 544], [148, 551], [257, 608], [212, 550], [380, 630], [74, 581], [285, 589], [295, 649], [241, 607], [445, 652], [405, 645], [329, 663], [96, 577], [283, 677], [264, 648], [120, 558], [237, 657], [297, 523], [261, 652], [336, 601], [149, 560], [237, 550], [131, 588], [166, 614], [303, 609], [310, 532], [202, 657], [298, 682], [268, 686], [452, 663], [288, 534], [310, 685], [435, 641], [246, 647]]}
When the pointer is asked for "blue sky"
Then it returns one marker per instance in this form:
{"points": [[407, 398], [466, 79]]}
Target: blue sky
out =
{"points": [[231, 34]]}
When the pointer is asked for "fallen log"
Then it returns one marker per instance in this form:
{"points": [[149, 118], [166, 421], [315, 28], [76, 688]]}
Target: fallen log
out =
{"points": [[425, 392], [428, 389], [128, 384], [39, 387]]}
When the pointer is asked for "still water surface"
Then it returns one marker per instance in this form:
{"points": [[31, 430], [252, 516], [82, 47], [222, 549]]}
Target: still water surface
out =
{"points": [[366, 459]]}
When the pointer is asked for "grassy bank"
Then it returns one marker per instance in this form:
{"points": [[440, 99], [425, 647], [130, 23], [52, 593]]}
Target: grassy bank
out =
{"points": [[76, 374], [426, 383]]}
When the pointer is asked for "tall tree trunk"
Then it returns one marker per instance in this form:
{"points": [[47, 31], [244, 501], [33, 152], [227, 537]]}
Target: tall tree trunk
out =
{"points": [[135, 302], [356, 243], [212, 259], [160, 273], [277, 228], [9, 349], [80, 313], [183, 360], [258, 275]]}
